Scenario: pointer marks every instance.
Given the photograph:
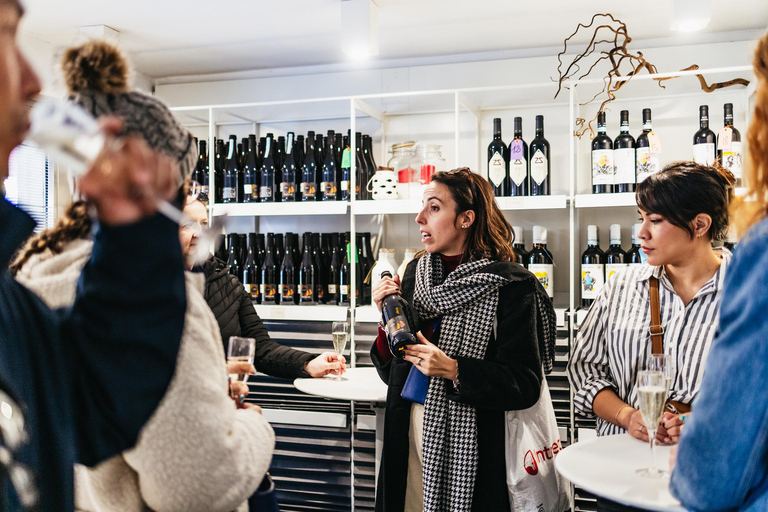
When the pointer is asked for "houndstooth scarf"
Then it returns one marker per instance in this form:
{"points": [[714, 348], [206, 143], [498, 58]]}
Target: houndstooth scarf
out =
{"points": [[467, 300]]}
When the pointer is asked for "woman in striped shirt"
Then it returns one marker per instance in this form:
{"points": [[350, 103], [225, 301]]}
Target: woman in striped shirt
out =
{"points": [[682, 209]]}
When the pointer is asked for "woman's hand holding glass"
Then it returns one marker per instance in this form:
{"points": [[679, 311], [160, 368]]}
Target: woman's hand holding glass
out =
{"points": [[430, 360], [327, 363], [632, 421]]}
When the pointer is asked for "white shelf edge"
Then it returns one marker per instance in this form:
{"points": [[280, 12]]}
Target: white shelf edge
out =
{"points": [[280, 209], [315, 313], [367, 314], [389, 207], [605, 200], [556, 202]]}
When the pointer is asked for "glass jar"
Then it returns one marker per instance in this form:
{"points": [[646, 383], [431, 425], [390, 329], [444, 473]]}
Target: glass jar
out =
{"points": [[427, 161], [402, 154]]}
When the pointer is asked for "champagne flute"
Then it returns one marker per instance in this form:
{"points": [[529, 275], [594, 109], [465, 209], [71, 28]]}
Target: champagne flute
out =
{"points": [[240, 350], [339, 332], [652, 393], [662, 363]]}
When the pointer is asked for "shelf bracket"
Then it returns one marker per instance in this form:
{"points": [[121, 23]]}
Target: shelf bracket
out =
{"points": [[468, 105], [368, 110]]}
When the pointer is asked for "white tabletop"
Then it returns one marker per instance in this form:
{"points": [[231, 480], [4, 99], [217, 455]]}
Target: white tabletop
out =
{"points": [[606, 466], [360, 384]]}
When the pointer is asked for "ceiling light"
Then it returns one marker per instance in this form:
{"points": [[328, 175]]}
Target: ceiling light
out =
{"points": [[359, 28], [690, 15]]}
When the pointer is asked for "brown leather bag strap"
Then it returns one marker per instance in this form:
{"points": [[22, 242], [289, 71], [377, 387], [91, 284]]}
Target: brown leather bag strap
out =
{"points": [[656, 330]]}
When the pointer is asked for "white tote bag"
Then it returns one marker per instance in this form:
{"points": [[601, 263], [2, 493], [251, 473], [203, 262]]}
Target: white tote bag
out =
{"points": [[531, 445]]}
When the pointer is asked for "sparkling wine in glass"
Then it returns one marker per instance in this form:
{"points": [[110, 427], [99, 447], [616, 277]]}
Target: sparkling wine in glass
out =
{"points": [[662, 363], [240, 350], [652, 392], [339, 331]]}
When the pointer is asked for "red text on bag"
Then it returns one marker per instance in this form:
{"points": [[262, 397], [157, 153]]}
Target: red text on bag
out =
{"points": [[532, 459]]}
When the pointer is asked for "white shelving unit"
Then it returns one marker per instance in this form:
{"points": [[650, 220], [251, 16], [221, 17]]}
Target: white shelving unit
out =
{"points": [[280, 209]]}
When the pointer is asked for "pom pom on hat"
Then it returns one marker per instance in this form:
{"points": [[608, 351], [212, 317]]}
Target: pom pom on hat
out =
{"points": [[96, 66]]}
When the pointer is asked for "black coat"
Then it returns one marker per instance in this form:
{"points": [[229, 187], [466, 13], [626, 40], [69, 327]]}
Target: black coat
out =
{"points": [[236, 315], [89, 377], [507, 378]]}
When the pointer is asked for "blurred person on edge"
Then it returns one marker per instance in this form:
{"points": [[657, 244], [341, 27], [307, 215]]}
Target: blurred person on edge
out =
{"points": [[722, 458], [78, 384], [486, 328], [234, 311], [200, 451]]}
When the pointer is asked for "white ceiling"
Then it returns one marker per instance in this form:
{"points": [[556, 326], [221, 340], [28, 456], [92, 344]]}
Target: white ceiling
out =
{"points": [[168, 38]]}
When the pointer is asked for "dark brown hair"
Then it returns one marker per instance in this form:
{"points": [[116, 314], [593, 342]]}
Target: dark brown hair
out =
{"points": [[95, 66], [682, 190], [74, 225], [490, 235]]}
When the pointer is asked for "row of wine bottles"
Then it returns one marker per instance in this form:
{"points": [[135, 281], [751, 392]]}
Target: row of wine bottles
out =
{"points": [[519, 169], [274, 270], [619, 164], [538, 260], [289, 168], [598, 266]]}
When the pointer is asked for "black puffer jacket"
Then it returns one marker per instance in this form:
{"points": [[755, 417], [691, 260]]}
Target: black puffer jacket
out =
{"points": [[236, 315]]}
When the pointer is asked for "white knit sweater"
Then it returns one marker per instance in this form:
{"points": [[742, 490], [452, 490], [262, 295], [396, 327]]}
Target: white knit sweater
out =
{"points": [[197, 452]]}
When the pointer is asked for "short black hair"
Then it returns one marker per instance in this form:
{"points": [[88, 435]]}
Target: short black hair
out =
{"points": [[682, 190]]}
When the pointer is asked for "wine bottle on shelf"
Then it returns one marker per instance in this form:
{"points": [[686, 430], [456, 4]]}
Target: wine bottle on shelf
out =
{"points": [[366, 263], [729, 145], [332, 279], [521, 255], [319, 161], [361, 187], [270, 273], [328, 185], [647, 160], [309, 172], [345, 276], [251, 172], [220, 247], [230, 174], [243, 154], [233, 259], [307, 274], [540, 261], [592, 268], [540, 161], [615, 257], [410, 254], [519, 175], [330, 140], [704, 139], [603, 168], [219, 170], [383, 263], [338, 150], [261, 250], [498, 162], [202, 171], [280, 152], [624, 157], [346, 178], [288, 279], [251, 271], [396, 313], [369, 166], [279, 248], [267, 188], [243, 248], [633, 256], [288, 183], [298, 156], [321, 271]]}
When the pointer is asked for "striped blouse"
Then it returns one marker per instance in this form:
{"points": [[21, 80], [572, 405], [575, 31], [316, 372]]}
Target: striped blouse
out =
{"points": [[613, 341]]}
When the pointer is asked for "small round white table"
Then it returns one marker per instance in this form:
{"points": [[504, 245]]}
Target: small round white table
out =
{"points": [[606, 466], [359, 385]]}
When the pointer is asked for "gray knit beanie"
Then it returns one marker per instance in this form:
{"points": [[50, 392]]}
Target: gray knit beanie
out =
{"points": [[96, 75]]}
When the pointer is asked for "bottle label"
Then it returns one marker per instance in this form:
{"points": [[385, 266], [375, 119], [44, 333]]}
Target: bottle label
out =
{"points": [[345, 185], [496, 169], [732, 159], [539, 167], [647, 164], [287, 293], [624, 160], [725, 139], [306, 293], [230, 193], [308, 189], [344, 289], [603, 168], [248, 189], [516, 150], [397, 322], [544, 273], [247, 288], [319, 292], [268, 291], [704, 153], [287, 188], [331, 289], [592, 280], [265, 192], [612, 268], [518, 171], [329, 190]]}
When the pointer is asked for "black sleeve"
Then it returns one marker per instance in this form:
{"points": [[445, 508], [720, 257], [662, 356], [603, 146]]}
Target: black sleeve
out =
{"points": [[123, 333], [509, 378], [271, 357]]}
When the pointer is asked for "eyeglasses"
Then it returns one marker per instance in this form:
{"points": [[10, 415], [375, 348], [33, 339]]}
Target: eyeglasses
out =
{"points": [[468, 173], [13, 435]]}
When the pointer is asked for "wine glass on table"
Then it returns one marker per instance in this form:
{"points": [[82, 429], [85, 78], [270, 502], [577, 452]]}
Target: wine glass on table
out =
{"points": [[652, 392], [339, 331], [239, 351]]}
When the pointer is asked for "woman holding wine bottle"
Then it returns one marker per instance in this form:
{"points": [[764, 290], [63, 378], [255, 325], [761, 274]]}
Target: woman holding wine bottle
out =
{"points": [[682, 209], [485, 328], [721, 462]]}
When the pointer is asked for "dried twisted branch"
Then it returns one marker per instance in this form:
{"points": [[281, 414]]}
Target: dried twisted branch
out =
{"points": [[609, 30]]}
